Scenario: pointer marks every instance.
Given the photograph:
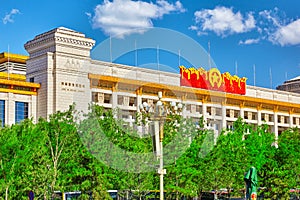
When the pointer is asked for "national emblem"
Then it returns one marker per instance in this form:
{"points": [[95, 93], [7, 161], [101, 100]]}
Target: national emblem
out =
{"points": [[215, 77]]}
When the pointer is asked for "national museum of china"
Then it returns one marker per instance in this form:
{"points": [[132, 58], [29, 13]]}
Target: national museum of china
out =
{"points": [[60, 71]]}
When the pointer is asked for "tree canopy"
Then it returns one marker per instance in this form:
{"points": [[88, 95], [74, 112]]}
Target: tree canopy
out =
{"points": [[98, 152]]}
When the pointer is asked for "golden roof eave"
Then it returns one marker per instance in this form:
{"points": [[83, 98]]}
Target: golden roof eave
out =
{"points": [[9, 76], [20, 83], [17, 58], [5, 90], [182, 89]]}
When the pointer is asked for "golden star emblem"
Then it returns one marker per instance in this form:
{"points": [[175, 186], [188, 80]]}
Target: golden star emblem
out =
{"points": [[215, 77]]}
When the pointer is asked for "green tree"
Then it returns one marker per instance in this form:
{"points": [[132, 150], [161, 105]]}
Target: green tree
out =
{"points": [[101, 152], [235, 152], [47, 156], [61, 136], [118, 148], [22, 154], [72, 166], [288, 156], [283, 172]]}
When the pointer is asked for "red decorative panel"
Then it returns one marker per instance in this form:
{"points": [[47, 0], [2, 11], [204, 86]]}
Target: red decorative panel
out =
{"points": [[212, 80]]}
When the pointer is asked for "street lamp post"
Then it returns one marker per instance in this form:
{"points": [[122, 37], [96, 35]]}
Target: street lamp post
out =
{"points": [[160, 115], [161, 169]]}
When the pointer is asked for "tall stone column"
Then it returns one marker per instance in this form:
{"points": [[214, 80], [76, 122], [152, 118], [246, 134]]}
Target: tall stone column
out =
{"points": [[242, 111], [183, 101], [139, 99], [291, 118], [114, 97], [224, 123], [204, 113], [10, 109], [276, 122], [32, 108], [259, 115]]}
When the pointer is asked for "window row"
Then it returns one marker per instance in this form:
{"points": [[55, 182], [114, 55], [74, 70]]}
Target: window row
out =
{"points": [[21, 111], [123, 100]]}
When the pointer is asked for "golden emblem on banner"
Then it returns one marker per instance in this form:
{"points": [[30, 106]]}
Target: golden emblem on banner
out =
{"points": [[213, 80], [215, 77]]}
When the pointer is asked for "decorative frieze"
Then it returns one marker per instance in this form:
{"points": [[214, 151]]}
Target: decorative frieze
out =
{"points": [[72, 64], [63, 36]]}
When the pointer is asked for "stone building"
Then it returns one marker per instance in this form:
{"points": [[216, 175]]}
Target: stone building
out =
{"points": [[18, 97], [292, 85], [62, 70]]}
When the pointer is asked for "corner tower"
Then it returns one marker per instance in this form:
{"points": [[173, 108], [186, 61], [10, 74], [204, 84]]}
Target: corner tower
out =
{"points": [[59, 60]]}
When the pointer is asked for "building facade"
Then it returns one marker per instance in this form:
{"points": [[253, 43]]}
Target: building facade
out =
{"points": [[292, 85], [13, 63], [60, 64], [18, 97]]}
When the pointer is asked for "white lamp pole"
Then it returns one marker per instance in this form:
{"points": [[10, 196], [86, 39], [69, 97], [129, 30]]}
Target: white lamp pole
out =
{"points": [[161, 117], [161, 162], [161, 169]]}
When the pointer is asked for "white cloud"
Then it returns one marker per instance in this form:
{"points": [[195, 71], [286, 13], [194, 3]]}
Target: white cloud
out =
{"points": [[271, 25], [271, 16], [194, 28], [123, 17], [223, 21], [89, 15], [197, 29], [249, 41], [165, 7], [9, 17], [279, 29], [269, 21], [287, 35]]}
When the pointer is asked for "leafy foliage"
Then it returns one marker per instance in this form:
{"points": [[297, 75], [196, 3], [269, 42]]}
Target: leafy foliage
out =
{"points": [[102, 152]]}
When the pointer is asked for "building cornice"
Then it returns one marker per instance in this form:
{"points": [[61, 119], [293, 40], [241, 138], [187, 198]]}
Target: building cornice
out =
{"points": [[5, 57], [20, 83], [8, 76], [16, 83], [210, 96], [24, 92], [62, 36]]}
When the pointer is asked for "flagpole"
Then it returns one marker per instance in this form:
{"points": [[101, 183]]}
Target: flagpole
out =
{"points": [[179, 57], [254, 78], [110, 49], [7, 54], [271, 81], [157, 57], [209, 63], [136, 61], [8, 62], [157, 60]]}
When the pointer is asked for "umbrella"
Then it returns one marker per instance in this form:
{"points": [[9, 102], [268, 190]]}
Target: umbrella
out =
{"points": [[251, 183]]}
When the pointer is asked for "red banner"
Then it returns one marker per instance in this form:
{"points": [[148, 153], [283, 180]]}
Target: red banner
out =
{"points": [[212, 80]]}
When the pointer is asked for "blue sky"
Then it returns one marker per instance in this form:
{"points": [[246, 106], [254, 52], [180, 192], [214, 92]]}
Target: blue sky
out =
{"points": [[241, 34]]}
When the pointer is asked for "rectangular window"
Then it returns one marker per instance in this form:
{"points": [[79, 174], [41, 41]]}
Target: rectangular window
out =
{"points": [[2, 112], [21, 111]]}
